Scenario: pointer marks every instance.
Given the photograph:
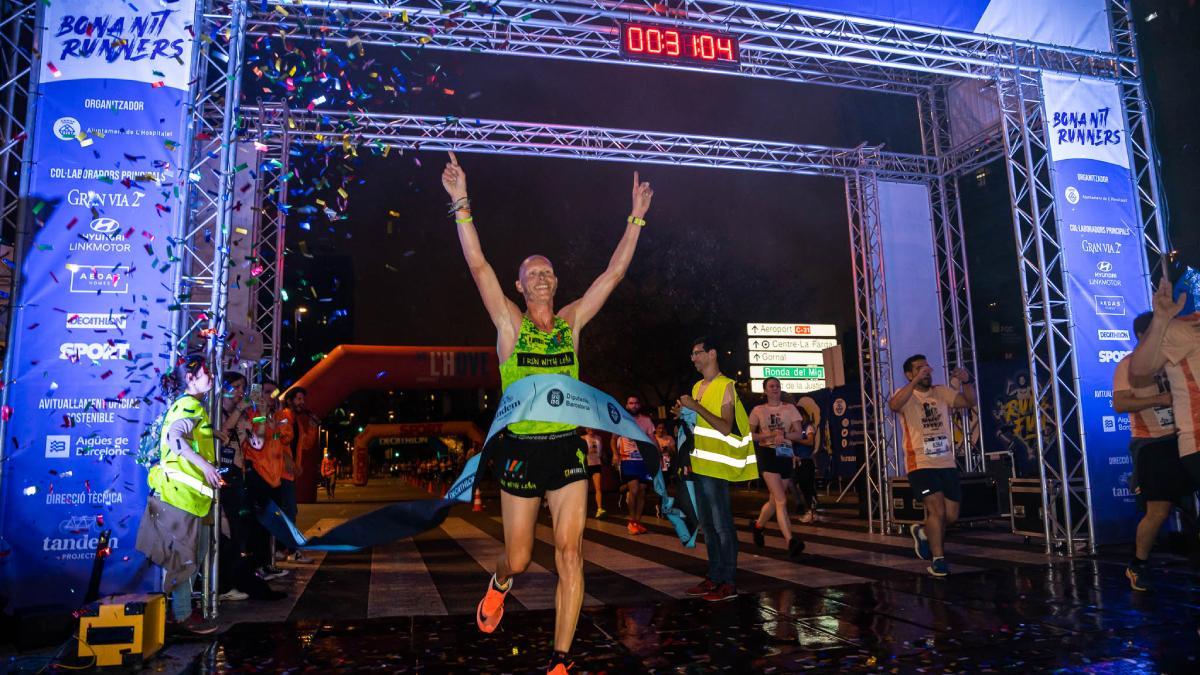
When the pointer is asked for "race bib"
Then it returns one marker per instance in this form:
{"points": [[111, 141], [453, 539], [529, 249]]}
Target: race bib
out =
{"points": [[936, 445], [783, 451], [1166, 417]]}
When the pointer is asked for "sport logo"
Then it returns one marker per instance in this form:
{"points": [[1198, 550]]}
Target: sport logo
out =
{"points": [[58, 447], [1109, 305], [1113, 355], [614, 413], [1072, 195], [554, 397], [1113, 335], [95, 351], [105, 225], [66, 128]]}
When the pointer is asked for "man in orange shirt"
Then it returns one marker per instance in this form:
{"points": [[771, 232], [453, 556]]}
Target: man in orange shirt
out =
{"points": [[297, 432], [264, 471], [329, 467]]}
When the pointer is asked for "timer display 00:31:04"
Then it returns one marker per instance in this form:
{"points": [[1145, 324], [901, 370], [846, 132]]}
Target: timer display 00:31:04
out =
{"points": [[678, 45]]}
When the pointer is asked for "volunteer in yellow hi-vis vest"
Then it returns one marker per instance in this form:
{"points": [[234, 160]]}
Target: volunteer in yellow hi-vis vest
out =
{"points": [[724, 453], [184, 482], [178, 478], [535, 458]]}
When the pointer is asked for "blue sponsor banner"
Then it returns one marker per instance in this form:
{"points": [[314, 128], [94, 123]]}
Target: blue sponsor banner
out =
{"points": [[1069, 23], [90, 332], [1105, 263]]}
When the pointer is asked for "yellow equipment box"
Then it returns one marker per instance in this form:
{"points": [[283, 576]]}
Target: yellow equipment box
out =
{"points": [[123, 630]]}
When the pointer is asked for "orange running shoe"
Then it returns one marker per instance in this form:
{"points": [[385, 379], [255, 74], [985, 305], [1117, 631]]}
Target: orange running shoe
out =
{"points": [[641, 529], [632, 528], [491, 607]]}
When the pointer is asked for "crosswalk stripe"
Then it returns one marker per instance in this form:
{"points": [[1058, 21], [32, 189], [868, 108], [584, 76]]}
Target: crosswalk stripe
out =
{"points": [[534, 589], [804, 575], [293, 584], [905, 542], [401, 584], [662, 578], [908, 563]]}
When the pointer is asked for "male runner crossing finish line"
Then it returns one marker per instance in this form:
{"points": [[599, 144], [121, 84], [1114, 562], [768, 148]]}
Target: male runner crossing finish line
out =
{"points": [[536, 459]]}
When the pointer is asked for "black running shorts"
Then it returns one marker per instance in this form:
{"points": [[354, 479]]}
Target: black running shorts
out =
{"points": [[925, 482], [532, 465], [1160, 474]]}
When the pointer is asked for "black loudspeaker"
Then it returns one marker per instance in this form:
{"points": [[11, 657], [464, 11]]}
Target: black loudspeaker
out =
{"points": [[981, 499]]}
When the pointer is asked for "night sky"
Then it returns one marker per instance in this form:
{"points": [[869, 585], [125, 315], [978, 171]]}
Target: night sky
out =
{"points": [[722, 247]]}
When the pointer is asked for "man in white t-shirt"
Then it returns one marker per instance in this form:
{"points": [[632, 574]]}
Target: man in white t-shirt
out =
{"points": [[634, 472], [1159, 479], [1172, 345], [924, 411]]}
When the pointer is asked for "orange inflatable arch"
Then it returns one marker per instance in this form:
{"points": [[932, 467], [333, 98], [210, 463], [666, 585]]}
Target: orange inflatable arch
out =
{"points": [[372, 431], [351, 368]]}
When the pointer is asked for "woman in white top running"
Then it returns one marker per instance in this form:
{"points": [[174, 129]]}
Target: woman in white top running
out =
{"points": [[775, 425]]}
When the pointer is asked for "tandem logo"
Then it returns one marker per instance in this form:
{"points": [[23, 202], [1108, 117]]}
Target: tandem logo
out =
{"points": [[95, 351], [1113, 335], [1113, 355]]}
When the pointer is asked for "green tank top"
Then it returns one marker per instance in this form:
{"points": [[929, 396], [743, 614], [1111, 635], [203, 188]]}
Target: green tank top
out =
{"points": [[540, 353]]}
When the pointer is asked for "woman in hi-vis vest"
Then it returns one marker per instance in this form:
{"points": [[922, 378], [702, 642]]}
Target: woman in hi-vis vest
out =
{"points": [[174, 530]]}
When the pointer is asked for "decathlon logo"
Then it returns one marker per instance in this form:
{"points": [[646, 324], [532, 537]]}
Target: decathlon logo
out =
{"points": [[66, 128], [1072, 195], [614, 413], [1113, 335], [96, 321], [94, 351], [1113, 355], [58, 447], [554, 397], [105, 225]]}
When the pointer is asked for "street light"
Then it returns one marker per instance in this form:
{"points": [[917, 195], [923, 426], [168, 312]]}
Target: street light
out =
{"points": [[296, 326]]}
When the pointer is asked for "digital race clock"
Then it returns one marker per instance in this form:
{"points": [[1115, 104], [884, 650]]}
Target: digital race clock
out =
{"points": [[650, 42]]}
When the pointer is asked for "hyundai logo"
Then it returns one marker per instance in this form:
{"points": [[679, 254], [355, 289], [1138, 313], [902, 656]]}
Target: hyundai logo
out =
{"points": [[105, 225], [1104, 266]]}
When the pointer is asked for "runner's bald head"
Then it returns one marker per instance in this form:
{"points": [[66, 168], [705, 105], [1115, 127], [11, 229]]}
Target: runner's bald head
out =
{"points": [[534, 261], [536, 280]]}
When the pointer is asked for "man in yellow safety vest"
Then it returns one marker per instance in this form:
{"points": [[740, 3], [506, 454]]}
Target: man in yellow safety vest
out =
{"points": [[723, 453]]}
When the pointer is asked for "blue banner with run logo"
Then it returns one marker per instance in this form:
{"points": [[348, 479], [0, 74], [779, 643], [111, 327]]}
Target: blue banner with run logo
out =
{"points": [[90, 332], [1104, 258]]}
